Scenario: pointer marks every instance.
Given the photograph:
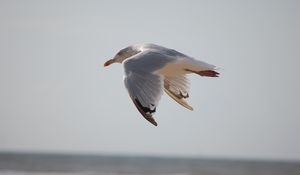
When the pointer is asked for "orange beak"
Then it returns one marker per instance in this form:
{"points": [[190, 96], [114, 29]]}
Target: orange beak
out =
{"points": [[109, 62]]}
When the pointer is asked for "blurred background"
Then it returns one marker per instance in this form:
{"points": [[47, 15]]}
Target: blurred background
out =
{"points": [[56, 96]]}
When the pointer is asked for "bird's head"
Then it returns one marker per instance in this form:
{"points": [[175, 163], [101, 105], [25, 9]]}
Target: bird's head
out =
{"points": [[122, 55]]}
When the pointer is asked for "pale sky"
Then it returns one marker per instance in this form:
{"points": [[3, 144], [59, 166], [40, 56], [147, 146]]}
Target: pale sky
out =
{"points": [[56, 96]]}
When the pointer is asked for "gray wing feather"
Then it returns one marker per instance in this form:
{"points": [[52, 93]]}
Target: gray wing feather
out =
{"points": [[145, 91], [145, 87]]}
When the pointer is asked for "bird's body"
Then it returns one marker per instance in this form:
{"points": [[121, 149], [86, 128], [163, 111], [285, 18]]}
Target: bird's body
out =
{"points": [[151, 69]]}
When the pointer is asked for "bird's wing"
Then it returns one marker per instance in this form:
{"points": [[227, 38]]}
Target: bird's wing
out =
{"points": [[145, 90], [177, 87], [175, 82]]}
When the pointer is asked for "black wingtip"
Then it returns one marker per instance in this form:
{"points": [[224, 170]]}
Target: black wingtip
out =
{"points": [[146, 112], [151, 120]]}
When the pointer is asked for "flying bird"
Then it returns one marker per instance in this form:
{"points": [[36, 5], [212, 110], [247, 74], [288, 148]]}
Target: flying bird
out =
{"points": [[151, 69]]}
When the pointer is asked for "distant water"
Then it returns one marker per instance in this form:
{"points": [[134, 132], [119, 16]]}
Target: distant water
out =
{"points": [[54, 164]]}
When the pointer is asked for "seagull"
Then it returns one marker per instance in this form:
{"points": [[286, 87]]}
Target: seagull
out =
{"points": [[151, 69]]}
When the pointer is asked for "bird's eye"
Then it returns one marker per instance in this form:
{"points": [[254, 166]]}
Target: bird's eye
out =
{"points": [[120, 53]]}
